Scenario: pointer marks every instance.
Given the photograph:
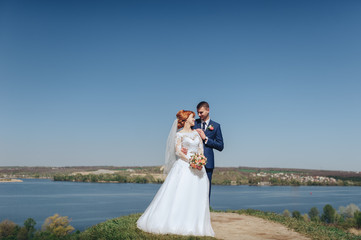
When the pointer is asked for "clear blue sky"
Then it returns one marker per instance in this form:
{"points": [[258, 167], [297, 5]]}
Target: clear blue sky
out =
{"points": [[100, 82]]}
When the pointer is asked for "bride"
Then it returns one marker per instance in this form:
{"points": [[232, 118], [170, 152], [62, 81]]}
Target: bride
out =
{"points": [[181, 205]]}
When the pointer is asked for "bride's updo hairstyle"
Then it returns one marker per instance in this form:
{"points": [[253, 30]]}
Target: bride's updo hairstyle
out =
{"points": [[182, 117]]}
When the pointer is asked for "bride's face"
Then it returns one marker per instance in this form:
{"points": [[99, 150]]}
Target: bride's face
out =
{"points": [[191, 120]]}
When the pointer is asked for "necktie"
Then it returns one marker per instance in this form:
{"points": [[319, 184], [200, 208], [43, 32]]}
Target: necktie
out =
{"points": [[204, 126]]}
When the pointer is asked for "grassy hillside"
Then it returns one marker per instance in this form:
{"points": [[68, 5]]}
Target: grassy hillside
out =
{"points": [[125, 228]]}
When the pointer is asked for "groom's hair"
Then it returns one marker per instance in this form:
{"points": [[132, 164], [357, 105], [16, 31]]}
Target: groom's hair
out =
{"points": [[202, 104]]}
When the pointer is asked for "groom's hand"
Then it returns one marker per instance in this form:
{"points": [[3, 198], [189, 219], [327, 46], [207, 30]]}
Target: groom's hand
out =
{"points": [[201, 133], [184, 150]]}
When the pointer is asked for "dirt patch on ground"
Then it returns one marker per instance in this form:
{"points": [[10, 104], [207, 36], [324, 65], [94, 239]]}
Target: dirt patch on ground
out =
{"points": [[233, 226], [355, 231]]}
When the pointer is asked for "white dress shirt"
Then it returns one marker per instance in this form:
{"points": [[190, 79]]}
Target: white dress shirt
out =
{"points": [[205, 129]]}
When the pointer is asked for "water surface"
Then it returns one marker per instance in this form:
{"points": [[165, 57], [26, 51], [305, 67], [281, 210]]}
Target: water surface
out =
{"points": [[90, 203]]}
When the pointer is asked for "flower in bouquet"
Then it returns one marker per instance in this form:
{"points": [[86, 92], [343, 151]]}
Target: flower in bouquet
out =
{"points": [[197, 161]]}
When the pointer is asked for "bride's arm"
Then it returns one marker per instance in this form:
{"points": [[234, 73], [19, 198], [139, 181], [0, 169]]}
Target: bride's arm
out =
{"points": [[178, 147]]}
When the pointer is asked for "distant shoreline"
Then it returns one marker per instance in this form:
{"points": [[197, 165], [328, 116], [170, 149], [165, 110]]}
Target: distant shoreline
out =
{"points": [[6, 180], [221, 176]]}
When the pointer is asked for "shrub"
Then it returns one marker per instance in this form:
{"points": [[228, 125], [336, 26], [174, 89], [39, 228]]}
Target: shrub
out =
{"points": [[296, 214], [329, 214], [140, 180], [29, 224], [305, 217], [57, 225], [286, 213], [357, 217], [226, 182], [8, 229], [22, 234], [27, 232], [314, 214], [120, 178], [348, 211], [347, 223], [338, 218]]}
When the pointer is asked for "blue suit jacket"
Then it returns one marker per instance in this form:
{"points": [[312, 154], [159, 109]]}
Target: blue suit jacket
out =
{"points": [[215, 141]]}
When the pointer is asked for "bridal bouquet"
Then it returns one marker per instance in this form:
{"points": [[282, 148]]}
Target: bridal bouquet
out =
{"points": [[197, 161]]}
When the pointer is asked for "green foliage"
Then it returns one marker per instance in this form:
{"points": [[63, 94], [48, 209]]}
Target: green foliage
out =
{"points": [[357, 217], [93, 178], [226, 182], [329, 214], [355, 180], [119, 178], [57, 225], [297, 215], [11, 231], [286, 213], [305, 217], [29, 224], [348, 211], [338, 219], [254, 180], [141, 180], [23, 234], [221, 176], [314, 214], [294, 182], [8, 230], [28, 230], [347, 223], [107, 178]]}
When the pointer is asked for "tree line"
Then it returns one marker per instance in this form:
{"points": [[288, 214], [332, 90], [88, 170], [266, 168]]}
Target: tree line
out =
{"points": [[107, 178], [346, 217], [218, 179], [54, 228]]}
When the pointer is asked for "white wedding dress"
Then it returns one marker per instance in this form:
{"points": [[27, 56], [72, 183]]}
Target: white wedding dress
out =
{"points": [[181, 205]]}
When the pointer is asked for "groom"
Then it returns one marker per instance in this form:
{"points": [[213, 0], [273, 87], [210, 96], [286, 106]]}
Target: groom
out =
{"points": [[211, 135]]}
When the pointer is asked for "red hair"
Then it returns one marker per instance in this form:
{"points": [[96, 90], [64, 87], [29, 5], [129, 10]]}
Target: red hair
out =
{"points": [[182, 117]]}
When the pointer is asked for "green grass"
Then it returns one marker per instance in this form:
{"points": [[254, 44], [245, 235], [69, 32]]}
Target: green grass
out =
{"points": [[126, 228]]}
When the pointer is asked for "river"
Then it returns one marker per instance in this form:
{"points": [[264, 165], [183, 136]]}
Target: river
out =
{"points": [[90, 203]]}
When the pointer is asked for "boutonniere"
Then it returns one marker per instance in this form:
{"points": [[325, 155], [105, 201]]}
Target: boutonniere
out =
{"points": [[210, 127]]}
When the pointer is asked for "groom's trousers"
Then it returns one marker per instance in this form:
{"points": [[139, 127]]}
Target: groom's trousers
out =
{"points": [[209, 174]]}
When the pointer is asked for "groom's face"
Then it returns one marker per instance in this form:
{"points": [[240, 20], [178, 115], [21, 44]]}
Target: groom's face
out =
{"points": [[203, 113]]}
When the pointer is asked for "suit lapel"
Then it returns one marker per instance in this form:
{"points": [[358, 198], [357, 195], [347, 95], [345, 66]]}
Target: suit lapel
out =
{"points": [[198, 124], [207, 130]]}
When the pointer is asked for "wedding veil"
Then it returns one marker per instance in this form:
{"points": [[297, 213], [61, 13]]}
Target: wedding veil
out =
{"points": [[170, 156]]}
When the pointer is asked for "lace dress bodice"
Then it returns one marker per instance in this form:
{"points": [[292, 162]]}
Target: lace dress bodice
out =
{"points": [[190, 140]]}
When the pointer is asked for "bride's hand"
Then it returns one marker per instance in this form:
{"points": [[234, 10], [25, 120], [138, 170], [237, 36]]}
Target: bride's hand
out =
{"points": [[201, 133], [184, 151]]}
